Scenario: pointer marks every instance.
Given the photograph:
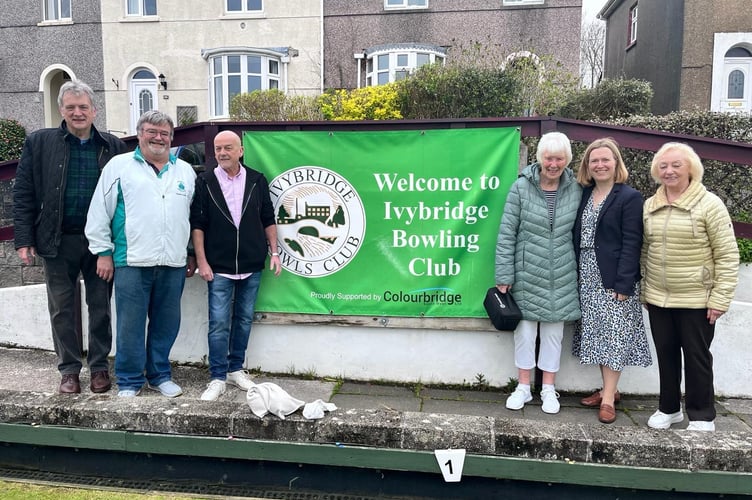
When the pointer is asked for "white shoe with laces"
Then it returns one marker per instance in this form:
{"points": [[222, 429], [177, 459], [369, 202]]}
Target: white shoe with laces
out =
{"points": [[214, 390], [240, 379], [701, 425], [550, 400], [660, 420], [518, 399], [168, 389]]}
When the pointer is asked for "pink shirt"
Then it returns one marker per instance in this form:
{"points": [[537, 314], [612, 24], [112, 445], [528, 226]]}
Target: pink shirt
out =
{"points": [[233, 189]]}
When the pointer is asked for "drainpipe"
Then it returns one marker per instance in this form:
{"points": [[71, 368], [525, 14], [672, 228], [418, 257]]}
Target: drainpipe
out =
{"points": [[321, 55], [286, 66], [359, 56]]}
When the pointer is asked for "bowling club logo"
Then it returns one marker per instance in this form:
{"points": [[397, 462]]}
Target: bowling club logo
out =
{"points": [[320, 220]]}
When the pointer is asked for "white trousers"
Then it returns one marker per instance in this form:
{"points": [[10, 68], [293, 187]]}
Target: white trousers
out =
{"points": [[549, 356]]}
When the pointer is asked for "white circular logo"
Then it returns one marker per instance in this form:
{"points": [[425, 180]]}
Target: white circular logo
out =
{"points": [[320, 220]]}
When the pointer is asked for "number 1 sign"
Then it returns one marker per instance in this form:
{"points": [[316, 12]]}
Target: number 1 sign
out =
{"points": [[451, 463]]}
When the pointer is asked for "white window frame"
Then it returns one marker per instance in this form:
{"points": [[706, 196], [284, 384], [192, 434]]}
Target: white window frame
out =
{"points": [[394, 70], [141, 8], [632, 35], [405, 4], [243, 8], [219, 82], [522, 2], [57, 7]]}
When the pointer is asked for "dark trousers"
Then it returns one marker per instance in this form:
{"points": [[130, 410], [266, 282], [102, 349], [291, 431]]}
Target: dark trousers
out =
{"points": [[688, 331], [61, 277]]}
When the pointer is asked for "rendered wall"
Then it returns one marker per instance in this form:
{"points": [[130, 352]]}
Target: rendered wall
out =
{"points": [[426, 356]]}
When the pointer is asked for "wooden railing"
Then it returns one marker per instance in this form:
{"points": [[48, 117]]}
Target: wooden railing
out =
{"points": [[628, 137]]}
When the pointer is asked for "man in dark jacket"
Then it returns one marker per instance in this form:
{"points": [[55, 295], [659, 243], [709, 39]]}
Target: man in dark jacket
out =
{"points": [[55, 180], [233, 228]]}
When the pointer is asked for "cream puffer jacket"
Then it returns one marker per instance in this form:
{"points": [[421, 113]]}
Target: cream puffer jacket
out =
{"points": [[690, 258]]}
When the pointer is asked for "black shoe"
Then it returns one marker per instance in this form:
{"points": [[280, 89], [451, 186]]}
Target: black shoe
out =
{"points": [[100, 381], [70, 384]]}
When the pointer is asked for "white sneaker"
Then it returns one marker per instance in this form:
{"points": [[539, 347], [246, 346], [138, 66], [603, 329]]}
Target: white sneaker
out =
{"points": [[518, 399], [168, 389], [214, 390], [660, 420], [550, 400], [128, 393], [701, 425], [240, 379]]}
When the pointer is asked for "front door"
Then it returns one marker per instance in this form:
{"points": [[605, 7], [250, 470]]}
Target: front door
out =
{"points": [[737, 88], [143, 96]]}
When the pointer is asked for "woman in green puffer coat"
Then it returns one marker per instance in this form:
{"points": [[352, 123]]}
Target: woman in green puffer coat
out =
{"points": [[535, 261]]}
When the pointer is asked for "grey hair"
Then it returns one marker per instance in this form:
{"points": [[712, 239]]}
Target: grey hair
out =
{"points": [[155, 117], [554, 143], [75, 87]]}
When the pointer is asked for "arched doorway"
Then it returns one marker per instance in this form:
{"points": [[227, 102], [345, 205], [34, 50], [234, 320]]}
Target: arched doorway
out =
{"points": [[143, 94], [51, 80], [736, 87]]}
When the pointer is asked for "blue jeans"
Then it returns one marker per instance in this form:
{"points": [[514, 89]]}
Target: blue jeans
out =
{"points": [[230, 322], [143, 293]]}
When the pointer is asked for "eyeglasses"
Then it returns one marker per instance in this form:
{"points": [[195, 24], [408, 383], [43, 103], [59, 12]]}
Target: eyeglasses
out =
{"points": [[154, 132]]}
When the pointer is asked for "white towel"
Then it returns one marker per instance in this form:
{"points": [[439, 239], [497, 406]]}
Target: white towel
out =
{"points": [[316, 409], [266, 398]]}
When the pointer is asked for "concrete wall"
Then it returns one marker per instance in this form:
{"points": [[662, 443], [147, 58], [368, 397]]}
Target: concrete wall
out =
{"points": [[171, 43], [659, 24], [427, 356], [29, 47], [552, 29], [702, 65]]}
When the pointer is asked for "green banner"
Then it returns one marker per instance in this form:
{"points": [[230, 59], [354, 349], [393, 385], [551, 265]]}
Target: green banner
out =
{"points": [[391, 223]]}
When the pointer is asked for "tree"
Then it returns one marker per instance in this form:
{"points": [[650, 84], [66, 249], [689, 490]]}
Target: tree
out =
{"points": [[592, 48]]}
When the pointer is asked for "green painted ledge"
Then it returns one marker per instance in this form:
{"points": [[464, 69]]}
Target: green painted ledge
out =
{"points": [[487, 466]]}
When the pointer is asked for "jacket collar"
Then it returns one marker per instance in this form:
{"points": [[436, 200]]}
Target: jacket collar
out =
{"points": [[686, 201], [533, 171], [94, 135]]}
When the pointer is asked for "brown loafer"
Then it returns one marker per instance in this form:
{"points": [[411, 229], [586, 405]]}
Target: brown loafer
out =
{"points": [[595, 399], [70, 384], [100, 381], [607, 414]]}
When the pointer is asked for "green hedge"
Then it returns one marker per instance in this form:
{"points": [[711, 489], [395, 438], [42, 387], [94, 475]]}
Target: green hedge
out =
{"points": [[12, 135], [609, 99]]}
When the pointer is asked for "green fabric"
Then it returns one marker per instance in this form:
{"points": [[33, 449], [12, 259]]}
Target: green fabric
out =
{"points": [[384, 223]]}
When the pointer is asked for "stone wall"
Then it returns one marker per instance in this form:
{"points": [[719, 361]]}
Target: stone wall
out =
{"points": [[12, 271]]}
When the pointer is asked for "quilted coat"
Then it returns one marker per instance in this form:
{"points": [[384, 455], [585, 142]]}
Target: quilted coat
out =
{"points": [[538, 259], [39, 190], [690, 258]]}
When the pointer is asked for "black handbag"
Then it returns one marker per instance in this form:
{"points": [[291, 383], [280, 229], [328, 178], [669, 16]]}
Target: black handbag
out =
{"points": [[502, 309]]}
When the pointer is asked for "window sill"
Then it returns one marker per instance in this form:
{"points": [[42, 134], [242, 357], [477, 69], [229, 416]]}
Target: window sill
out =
{"points": [[235, 16], [56, 22], [140, 19]]}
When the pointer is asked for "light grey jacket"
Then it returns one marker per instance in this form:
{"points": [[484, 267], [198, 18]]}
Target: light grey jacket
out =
{"points": [[537, 259]]}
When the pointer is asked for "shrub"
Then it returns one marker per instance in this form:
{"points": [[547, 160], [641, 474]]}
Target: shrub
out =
{"points": [[368, 103], [12, 135], [609, 99], [453, 91], [730, 181], [745, 249], [273, 105]]}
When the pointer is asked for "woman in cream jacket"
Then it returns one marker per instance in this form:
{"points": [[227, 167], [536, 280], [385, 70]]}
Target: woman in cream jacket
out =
{"points": [[690, 262]]}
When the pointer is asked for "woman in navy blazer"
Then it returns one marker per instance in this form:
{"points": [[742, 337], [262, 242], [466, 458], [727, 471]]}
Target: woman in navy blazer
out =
{"points": [[607, 243]]}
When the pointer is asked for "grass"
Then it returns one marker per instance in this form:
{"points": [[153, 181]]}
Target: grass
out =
{"points": [[26, 491]]}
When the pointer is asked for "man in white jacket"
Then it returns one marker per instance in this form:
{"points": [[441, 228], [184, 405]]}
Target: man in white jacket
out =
{"points": [[138, 226]]}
